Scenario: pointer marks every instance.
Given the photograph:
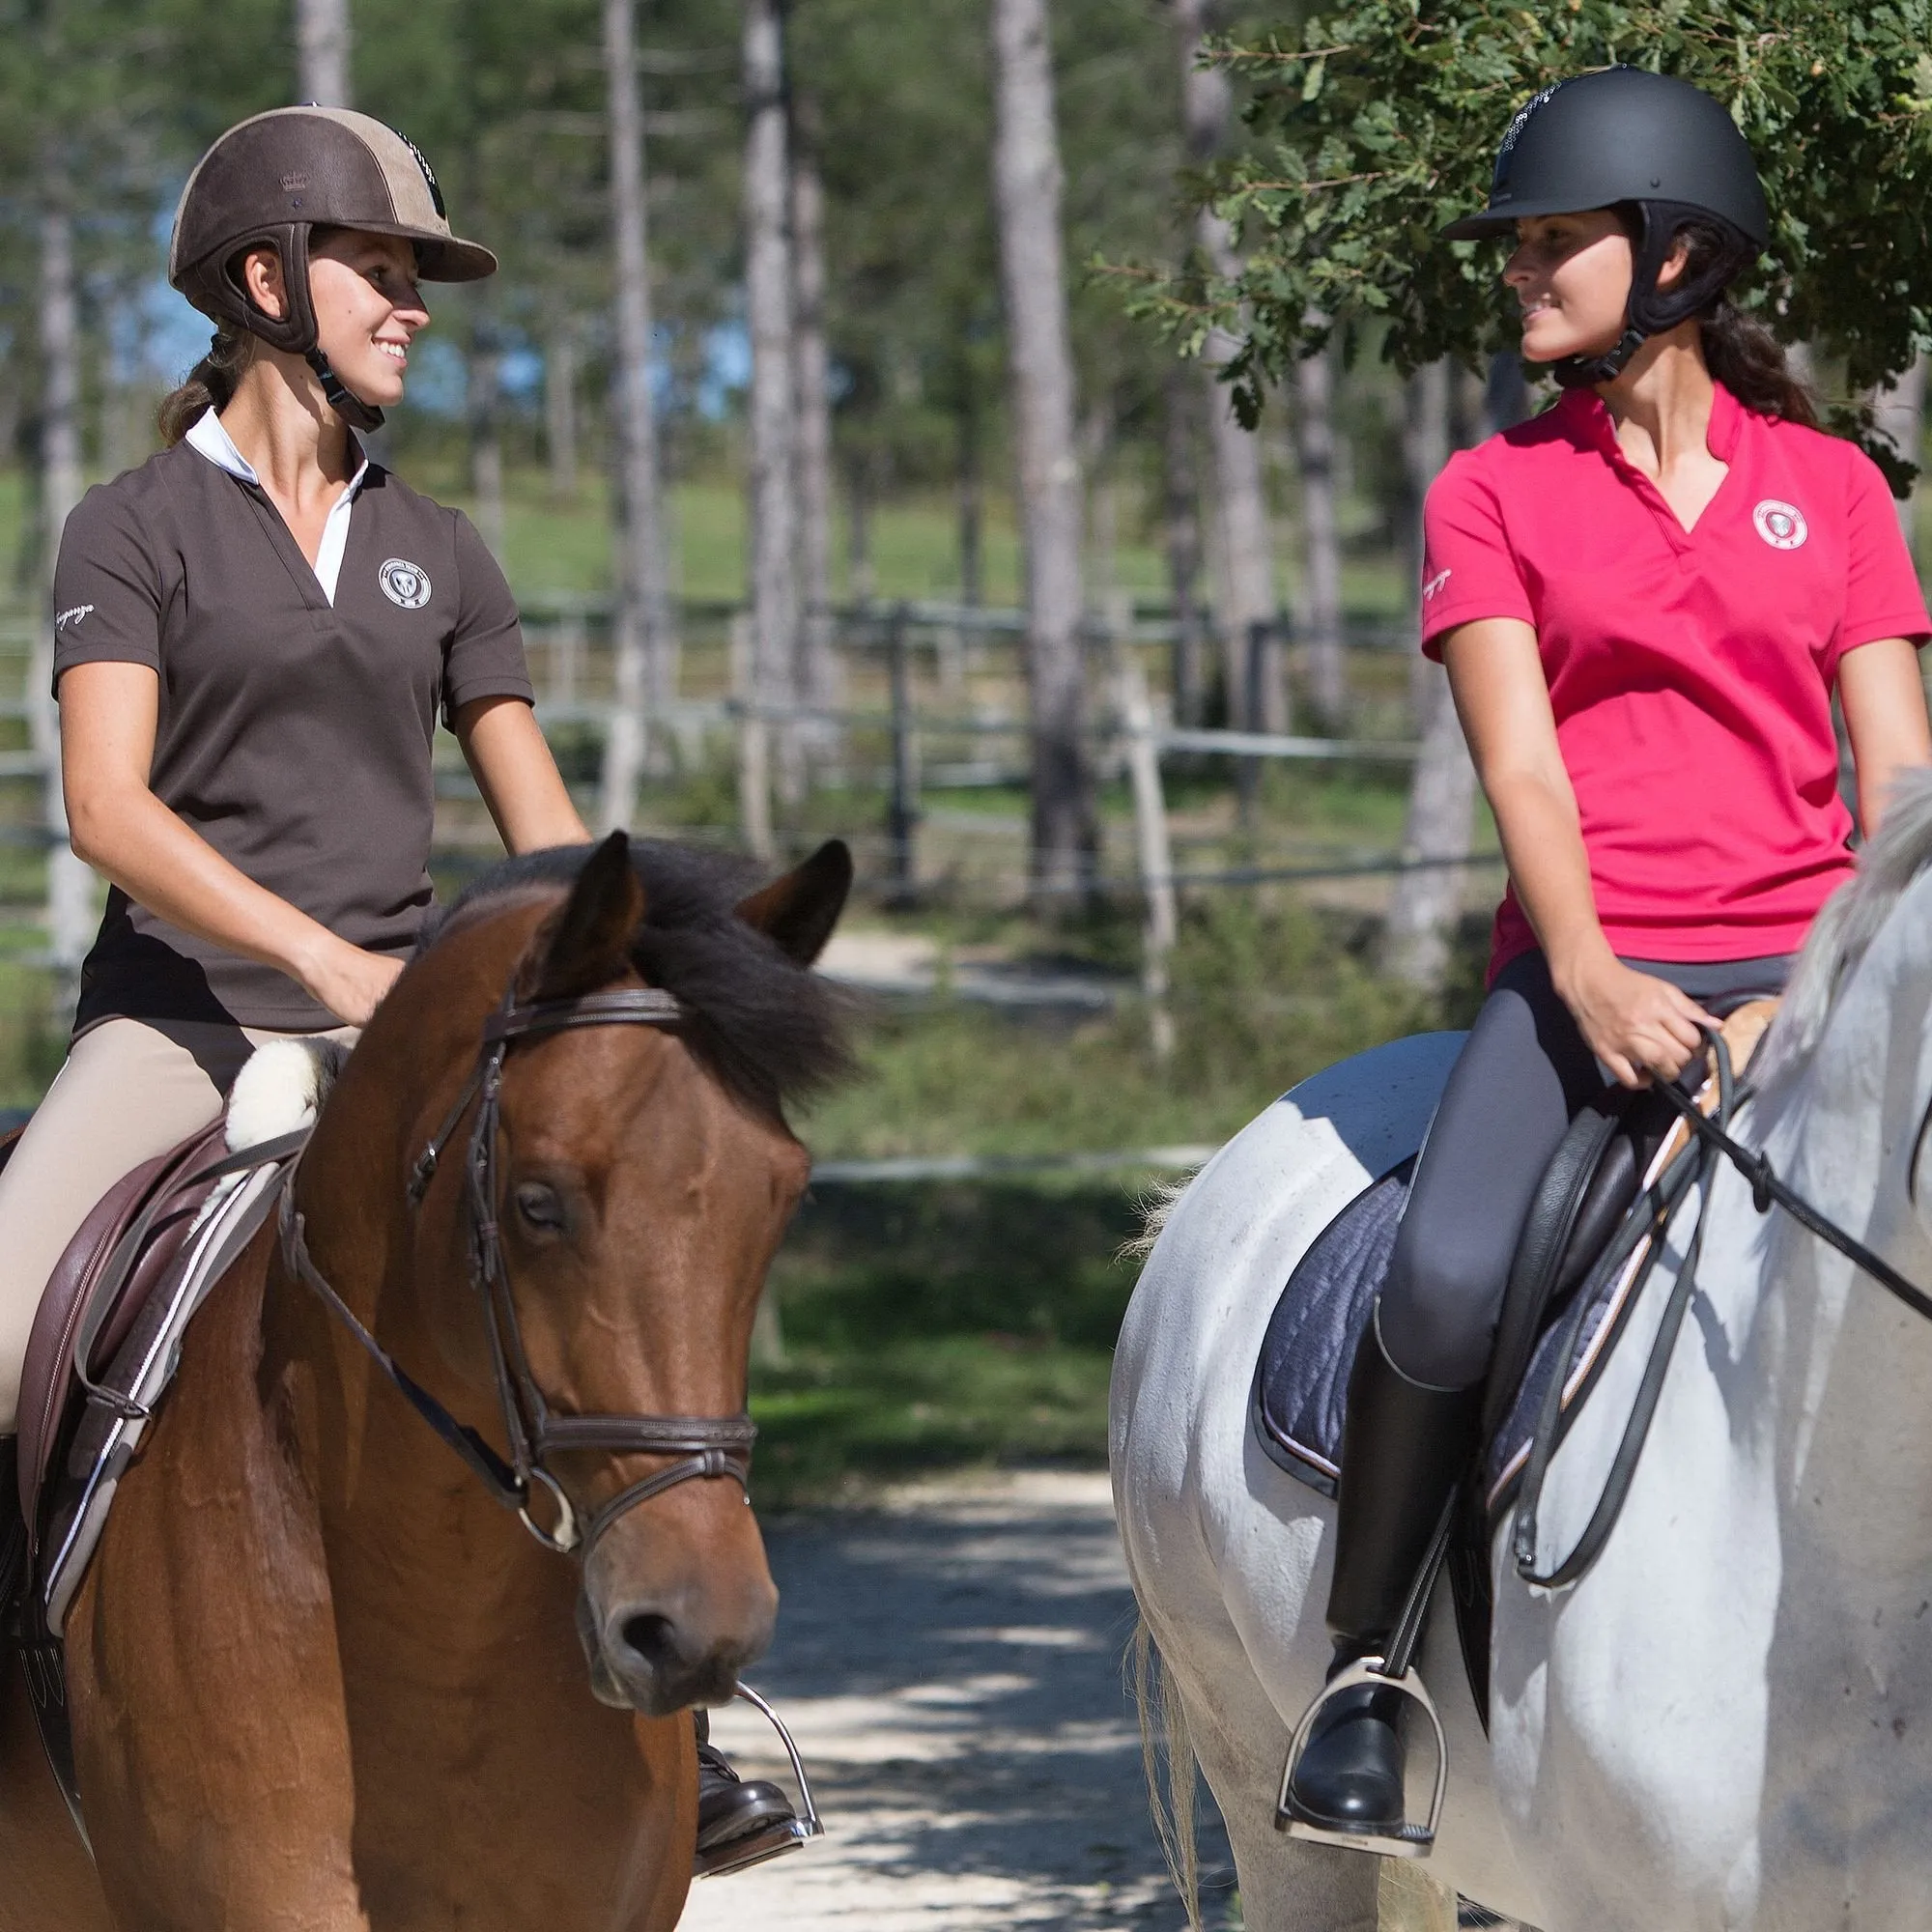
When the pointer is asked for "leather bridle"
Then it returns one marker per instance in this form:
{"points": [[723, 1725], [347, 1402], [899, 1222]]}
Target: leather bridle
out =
{"points": [[707, 1445]]}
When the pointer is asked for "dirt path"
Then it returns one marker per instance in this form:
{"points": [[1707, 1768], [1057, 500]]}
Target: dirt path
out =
{"points": [[950, 1662]]}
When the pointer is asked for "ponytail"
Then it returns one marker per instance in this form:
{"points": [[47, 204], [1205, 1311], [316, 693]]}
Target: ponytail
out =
{"points": [[1744, 356], [210, 385], [1739, 349]]}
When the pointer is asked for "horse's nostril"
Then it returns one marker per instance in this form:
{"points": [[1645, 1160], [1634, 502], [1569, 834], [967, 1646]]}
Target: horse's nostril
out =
{"points": [[651, 1637]]}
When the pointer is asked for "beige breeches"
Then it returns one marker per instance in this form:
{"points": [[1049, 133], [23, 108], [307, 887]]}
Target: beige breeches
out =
{"points": [[130, 1090]]}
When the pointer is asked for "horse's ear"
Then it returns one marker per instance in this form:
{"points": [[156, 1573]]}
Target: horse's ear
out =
{"points": [[800, 910], [587, 942]]}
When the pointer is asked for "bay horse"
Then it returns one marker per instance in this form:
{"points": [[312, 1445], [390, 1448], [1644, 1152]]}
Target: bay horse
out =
{"points": [[1727, 1721], [320, 1681]]}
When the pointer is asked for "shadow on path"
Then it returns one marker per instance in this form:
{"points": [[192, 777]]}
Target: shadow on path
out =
{"points": [[951, 1664]]}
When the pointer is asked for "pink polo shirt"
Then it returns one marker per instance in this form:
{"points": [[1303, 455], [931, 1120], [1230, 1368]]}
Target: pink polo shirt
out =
{"points": [[1691, 672]]}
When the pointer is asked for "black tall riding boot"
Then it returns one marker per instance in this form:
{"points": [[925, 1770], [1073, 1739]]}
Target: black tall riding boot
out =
{"points": [[1404, 1446]]}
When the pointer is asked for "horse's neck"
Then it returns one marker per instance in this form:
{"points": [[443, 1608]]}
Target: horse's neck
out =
{"points": [[1852, 1365]]}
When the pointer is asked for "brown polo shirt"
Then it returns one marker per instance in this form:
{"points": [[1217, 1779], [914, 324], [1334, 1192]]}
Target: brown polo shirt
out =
{"points": [[293, 734]]}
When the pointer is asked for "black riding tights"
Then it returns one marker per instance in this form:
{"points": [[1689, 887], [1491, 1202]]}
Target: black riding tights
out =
{"points": [[1522, 1076]]}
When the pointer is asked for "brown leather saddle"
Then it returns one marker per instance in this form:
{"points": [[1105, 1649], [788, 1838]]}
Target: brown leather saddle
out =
{"points": [[133, 1244], [105, 1344]]}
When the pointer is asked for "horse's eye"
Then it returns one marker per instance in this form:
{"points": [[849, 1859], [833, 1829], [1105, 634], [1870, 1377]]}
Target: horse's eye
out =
{"points": [[538, 1206]]}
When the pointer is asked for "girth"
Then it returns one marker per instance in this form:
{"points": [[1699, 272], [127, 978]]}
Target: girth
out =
{"points": [[708, 1446]]}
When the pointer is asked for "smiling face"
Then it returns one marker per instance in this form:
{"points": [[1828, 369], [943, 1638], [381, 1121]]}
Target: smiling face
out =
{"points": [[367, 309], [1572, 275]]}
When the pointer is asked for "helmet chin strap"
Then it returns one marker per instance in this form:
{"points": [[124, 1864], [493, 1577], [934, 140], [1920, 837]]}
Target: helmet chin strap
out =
{"points": [[1585, 372], [1655, 310], [341, 399]]}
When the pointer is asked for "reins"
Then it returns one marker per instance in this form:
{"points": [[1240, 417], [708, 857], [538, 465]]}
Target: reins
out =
{"points": [[1716, 1140], [708, 1445]]}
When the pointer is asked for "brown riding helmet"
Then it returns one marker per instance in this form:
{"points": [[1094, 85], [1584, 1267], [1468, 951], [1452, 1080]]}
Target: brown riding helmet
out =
{"points": [[271, 178]]}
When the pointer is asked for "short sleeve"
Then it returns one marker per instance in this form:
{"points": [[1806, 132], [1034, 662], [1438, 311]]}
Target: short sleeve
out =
{"points": [[107, 585], [1468, 570], [1883, 598], [485, 655]]}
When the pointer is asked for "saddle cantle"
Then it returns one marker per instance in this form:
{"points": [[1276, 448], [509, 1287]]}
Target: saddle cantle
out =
{"points": [[1615, 1150]]}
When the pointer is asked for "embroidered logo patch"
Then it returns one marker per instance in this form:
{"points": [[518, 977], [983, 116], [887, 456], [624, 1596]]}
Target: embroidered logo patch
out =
{"points": [[77, 616], [404, 583], [1781, 525], [1434, 584]]}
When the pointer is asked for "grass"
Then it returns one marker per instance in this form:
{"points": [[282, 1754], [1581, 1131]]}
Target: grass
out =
{"points": [[926, 1327], [1264, 994], [555, 549]]}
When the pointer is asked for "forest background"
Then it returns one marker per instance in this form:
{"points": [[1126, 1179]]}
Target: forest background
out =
{"points": [[819, 422]]}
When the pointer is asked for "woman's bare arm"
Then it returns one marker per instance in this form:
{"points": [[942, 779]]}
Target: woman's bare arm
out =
{"points": [[1632, 1021], [517, 776], [1884, 702], [108, 714]]}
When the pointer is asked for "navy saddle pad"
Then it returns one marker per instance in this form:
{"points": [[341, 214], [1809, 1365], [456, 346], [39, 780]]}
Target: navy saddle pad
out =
{"points": [[1300, 1394], [1301, 1380]]}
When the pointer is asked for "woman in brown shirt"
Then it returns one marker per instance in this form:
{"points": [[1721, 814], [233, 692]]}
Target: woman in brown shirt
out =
{"points": [[256, 633]]}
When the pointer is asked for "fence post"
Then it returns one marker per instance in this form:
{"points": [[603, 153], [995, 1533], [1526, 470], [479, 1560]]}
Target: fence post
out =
{"points": [[1254, 663], [903, 808], [1153, 846], [754, 759]]}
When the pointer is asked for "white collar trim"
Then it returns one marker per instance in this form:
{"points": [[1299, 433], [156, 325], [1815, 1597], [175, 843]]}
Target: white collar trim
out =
{"points": [[208, 438]]}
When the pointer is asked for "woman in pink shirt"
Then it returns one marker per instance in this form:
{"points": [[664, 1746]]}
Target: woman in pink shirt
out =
{"points": [[1645, 599]]}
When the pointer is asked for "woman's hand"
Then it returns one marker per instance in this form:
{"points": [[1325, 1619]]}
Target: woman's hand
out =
{"points": [[349, 982], [1636, 1025]]}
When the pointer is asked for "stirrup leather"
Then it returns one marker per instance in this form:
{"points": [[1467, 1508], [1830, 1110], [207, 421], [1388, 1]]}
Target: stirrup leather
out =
{"points": [[1406, 1841], [782, 1835]]}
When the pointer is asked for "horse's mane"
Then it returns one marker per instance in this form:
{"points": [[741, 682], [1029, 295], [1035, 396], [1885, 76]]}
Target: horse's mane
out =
{"points": [[1842, 933], [771, 1030]]}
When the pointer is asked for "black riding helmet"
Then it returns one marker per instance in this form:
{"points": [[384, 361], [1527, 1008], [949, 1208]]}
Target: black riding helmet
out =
{"points": [[269, 181], [1662, 151]]}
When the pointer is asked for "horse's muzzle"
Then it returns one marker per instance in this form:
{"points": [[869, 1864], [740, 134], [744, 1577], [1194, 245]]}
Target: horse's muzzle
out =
{"points": [[661, 1650]]}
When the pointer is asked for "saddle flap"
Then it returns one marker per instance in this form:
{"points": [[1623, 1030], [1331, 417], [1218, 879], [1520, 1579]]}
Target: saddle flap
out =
{"points": [[80, 1275]]}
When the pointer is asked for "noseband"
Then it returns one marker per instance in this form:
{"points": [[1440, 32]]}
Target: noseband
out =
{"points": [[707, 1445]]}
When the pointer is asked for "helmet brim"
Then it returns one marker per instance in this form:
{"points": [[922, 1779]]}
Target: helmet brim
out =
{"points": [[440, 258], [1492, 222]]}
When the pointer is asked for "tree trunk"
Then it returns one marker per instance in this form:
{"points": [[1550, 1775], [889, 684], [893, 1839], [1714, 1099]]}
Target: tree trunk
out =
{"points": [[1247, 599], [481, 368], [1180, 508], [1900, 413], [773, 404], [321, 52], [1321, 542], [972, 502], [69, 909], [1025, 196], [1437, 836], [818, 672], [560, 412], [646, 628], [1426, 902]]}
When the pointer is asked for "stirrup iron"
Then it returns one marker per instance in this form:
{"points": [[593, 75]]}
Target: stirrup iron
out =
{"points": [[774, 1840], [1406, 1841], [1393, 1670]]}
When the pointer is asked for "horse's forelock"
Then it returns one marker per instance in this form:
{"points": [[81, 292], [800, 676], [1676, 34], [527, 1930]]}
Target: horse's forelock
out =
{"points": [[771, 1030], [1894, 860]]}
